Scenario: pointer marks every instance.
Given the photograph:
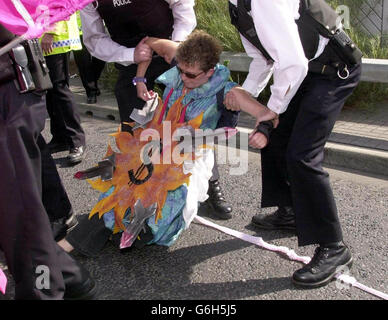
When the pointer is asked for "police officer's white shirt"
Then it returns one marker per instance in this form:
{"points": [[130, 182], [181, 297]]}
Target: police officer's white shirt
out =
{"points": [[276, 28], [99, 43]]}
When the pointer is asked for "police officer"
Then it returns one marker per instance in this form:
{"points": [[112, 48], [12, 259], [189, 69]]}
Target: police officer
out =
{"points": [[128, 23], [315, 67], [65, 122], [25, 234]]}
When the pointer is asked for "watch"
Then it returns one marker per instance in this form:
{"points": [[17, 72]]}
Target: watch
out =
{"points": [[135, 80]]}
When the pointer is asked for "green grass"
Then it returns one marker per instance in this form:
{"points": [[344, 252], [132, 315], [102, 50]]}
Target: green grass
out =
{"points": [[108, 77], [213, 17]]}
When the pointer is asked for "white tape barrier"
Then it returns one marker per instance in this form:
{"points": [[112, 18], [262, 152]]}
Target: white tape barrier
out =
{"points": [[287, 253]]}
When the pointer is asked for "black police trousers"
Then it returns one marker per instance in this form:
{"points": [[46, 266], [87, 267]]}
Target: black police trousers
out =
{"points": [[292, 173], [65, 122], [90, 69], [54, 197], [25, 233]]}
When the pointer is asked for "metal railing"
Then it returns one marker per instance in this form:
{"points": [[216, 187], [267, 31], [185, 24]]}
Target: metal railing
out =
{"points": [[373, 70]]}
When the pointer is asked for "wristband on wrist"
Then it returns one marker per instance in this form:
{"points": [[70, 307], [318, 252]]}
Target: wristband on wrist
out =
{"points": [[135, 80], [265, 127]]}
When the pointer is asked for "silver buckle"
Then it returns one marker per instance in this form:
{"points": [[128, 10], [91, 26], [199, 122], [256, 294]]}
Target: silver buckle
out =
{"points": [[347, 73]]}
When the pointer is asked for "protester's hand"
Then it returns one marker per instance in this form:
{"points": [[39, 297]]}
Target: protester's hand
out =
{"points": [[235, 97], [230, 101], [143, 93], [257, 140], [142, 51], [47, 43]]}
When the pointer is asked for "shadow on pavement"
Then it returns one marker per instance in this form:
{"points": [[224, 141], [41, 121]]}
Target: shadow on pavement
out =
{"points": [[159, 273]]}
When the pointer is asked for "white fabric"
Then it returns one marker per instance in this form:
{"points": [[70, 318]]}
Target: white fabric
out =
{"points": [[276, 28], [201, 172], [185, 20], [23, 12], [100, 45], [321, 46]]}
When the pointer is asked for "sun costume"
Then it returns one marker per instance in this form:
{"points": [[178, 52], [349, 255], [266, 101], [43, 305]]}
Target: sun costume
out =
{"points": [[162, 194]]}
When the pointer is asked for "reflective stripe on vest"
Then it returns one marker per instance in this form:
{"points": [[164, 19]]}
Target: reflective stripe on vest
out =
{"points": [[67, 43], [66, 36]]}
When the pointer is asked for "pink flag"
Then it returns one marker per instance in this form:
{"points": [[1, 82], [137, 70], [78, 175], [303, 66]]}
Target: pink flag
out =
{"points": [[31, 18], [3, 281]]}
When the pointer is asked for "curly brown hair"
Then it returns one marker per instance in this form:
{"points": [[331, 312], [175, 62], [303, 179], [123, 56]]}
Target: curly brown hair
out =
{"points": [[200, 47]]}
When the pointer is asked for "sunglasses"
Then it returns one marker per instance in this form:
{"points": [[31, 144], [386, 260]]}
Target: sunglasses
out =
{"points": [[188, 74]]}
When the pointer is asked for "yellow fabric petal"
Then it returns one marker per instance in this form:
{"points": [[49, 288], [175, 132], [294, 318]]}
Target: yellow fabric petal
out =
{"points": [[99, 185]]}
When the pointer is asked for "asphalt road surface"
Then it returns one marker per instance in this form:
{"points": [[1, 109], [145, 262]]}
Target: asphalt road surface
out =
{"points": [[205, 264]]}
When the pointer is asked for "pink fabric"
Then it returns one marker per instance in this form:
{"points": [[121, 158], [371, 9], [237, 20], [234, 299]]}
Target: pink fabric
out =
{"points": [[182, 117], [3, 281], [43, 12], [165, 106]]}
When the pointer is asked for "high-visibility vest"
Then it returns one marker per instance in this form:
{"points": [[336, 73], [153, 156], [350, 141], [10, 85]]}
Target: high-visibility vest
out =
{"points": [[79, 23], [66, 36]]}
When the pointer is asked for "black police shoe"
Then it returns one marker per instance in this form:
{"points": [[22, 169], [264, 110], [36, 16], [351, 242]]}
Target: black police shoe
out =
{"points": [[57, 146], [325, 264], [76, 155], [217, 203], [86, 290], [91, 99], [282, 219], [71, 222], [61, 227]]}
